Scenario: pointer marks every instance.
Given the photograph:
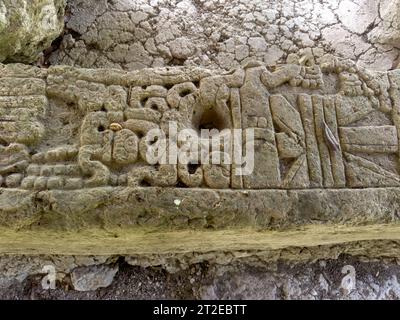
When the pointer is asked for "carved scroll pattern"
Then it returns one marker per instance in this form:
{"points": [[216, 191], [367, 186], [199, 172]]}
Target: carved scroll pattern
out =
{"points": [[333, 126]]}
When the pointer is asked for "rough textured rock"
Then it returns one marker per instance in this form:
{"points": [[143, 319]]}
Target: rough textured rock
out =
{"points": [[223, 34], [320, 279], [76, 142], [74, 157], [316, 219], [18, 268], [388, 29], [27, 27], [93, 277]]}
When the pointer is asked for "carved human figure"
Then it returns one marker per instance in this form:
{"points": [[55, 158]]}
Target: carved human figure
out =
{"points": [[240, 100]]}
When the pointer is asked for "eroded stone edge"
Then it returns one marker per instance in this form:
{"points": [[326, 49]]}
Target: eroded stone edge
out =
{"points": [[116, 207]]}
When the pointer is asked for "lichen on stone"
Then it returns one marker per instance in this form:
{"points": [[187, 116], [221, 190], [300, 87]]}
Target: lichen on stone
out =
{"points": [[27, 27]]}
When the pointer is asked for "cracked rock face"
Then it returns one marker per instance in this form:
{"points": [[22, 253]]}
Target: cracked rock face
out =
{"points": [[28, 27], [223, 34], [388, 28]]}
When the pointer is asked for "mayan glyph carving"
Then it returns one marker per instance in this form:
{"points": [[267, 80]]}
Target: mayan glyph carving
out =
{"points": [[328, 126]]}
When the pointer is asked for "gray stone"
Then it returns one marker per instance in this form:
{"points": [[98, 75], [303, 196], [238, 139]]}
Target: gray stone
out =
{"points": [[388, 29], [93, 277], [181, 48], [215, 34]]}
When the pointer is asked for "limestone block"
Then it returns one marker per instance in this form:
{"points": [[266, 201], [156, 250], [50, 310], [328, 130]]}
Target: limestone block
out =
{"points": [[190, 147]]}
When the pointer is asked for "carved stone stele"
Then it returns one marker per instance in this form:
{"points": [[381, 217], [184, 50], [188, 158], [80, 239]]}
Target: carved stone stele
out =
{"points": [[73, 145]]}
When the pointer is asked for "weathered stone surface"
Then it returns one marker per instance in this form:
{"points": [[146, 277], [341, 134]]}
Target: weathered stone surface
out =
{"points": [[74, 146], [72, 158], [388, 29], [185, 208], [322, 201], [93, 277], [27, 27], [225, 33], [282, 265], [18, 268]]}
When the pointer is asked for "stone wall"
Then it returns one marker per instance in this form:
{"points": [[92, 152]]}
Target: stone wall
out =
{"points": [[81, 209], [223, 34]]}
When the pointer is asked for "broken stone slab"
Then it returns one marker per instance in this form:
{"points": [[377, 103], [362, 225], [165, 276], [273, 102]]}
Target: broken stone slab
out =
{"points": [[27, 27], [74, 146]]}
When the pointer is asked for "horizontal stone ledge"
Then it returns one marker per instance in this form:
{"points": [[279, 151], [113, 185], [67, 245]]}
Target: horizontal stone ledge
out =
{"points": [[199, 209], [139, 244]]}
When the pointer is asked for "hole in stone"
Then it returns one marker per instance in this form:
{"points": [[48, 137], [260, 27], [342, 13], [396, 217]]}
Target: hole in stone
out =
{"points": [[177, 62], [180, 184], [192, 167], [74, 34], [100, 128], [4, 142], [140, 135], [144, 100], [153, 141], [185, 92], [210, 119], [144, 183]]}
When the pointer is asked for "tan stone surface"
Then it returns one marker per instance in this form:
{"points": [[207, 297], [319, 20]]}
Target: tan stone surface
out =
{"points": [[73, 146], [74, 179], [78, 196]]}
